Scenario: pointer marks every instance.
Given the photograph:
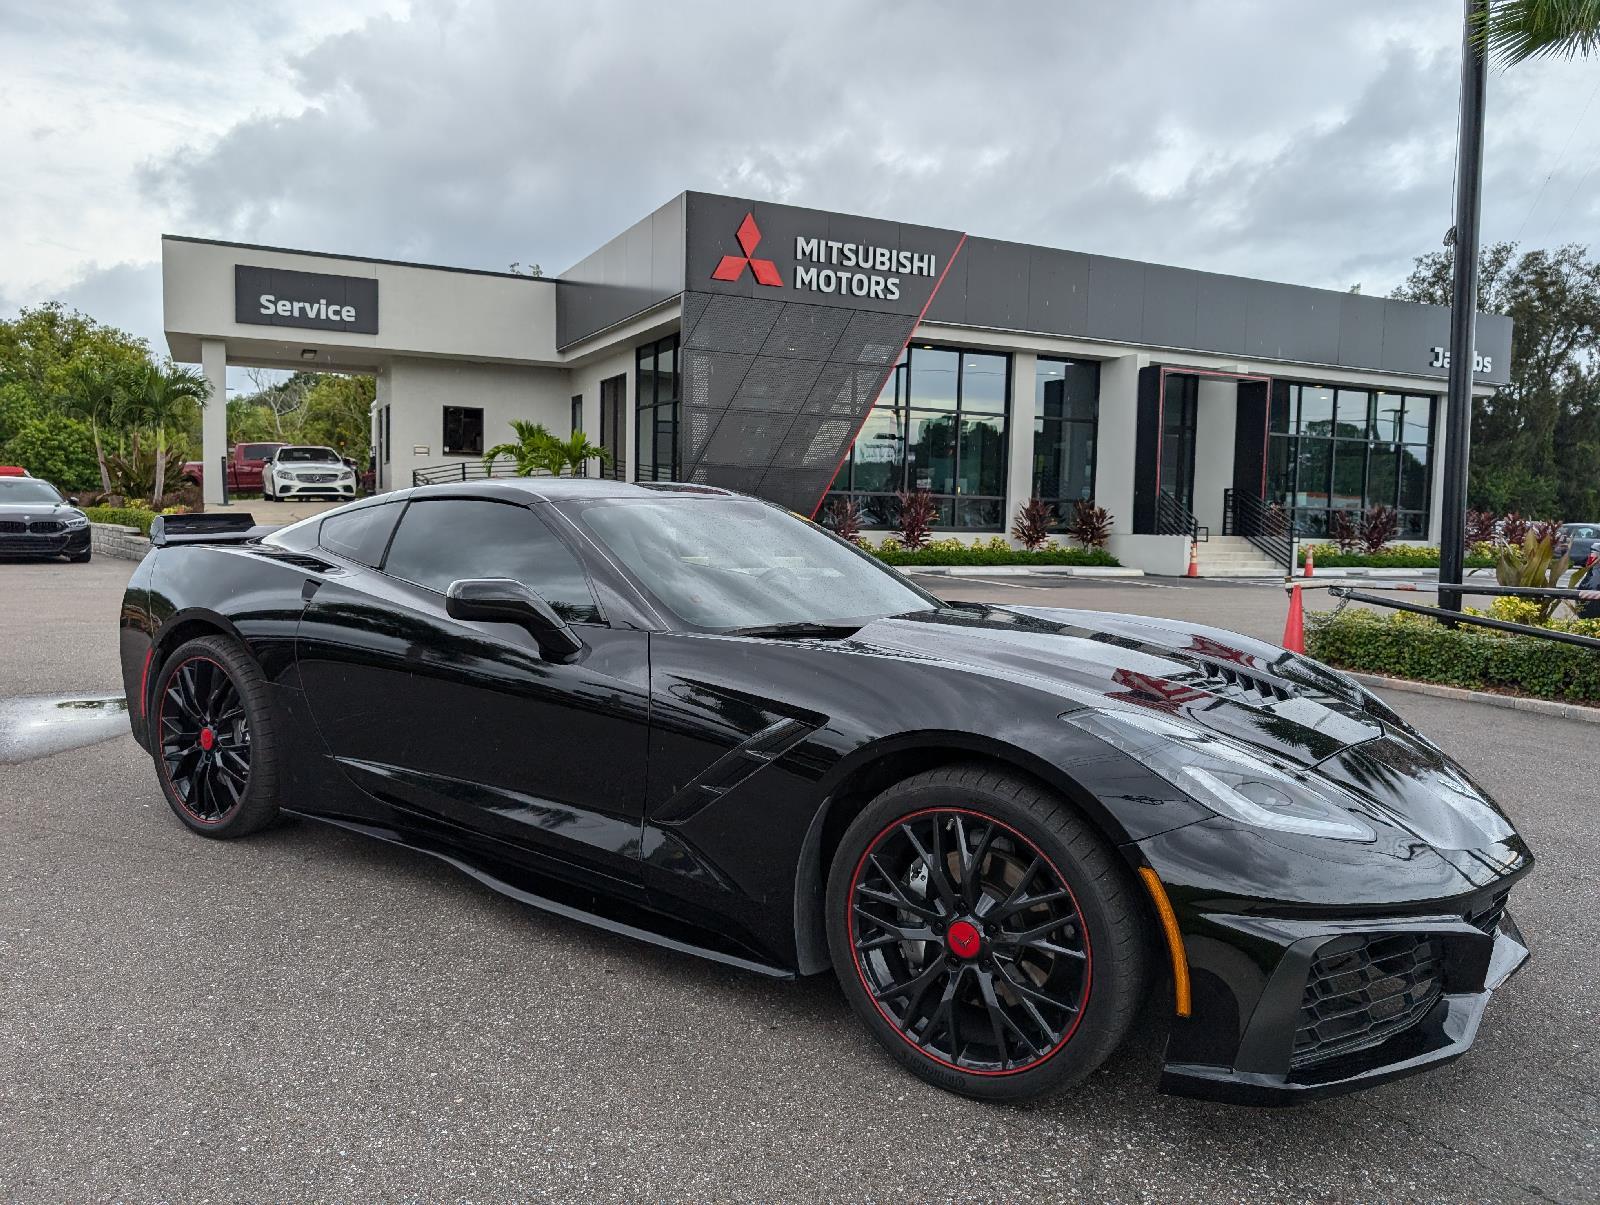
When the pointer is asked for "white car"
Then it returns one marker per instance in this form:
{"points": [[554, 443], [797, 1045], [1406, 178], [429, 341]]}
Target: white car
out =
{"points": [[307, 471]]}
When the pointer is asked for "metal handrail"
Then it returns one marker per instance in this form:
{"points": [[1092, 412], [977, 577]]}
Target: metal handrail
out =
{"points": [[1482, 621], [1175, 519], [1269, 528], [465, 470]]}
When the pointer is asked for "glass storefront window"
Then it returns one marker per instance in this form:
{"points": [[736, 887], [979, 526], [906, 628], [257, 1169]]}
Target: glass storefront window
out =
{"points": [[656, 405], [1380, 455], [939, 424], [1066, 409]]}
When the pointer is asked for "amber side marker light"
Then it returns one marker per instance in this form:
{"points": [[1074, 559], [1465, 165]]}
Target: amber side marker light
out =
{"points": [[1169, 924]]}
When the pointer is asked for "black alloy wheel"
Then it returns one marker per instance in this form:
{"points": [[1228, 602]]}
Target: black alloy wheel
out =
{"points": [[211, 736], [969, 941], [986, 935]]}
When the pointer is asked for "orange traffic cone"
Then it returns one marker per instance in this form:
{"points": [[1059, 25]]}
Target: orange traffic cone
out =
{"points": [[1294, 629], [1311, 560], [1194, 557]]}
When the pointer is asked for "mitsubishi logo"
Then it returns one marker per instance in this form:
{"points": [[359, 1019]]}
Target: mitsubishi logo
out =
{"points": [[732, 266]]}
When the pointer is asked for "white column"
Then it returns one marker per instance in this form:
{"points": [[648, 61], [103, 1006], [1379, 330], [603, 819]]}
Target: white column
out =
{"points": [[214, 418], [1019, 436], [1116, 438], [630, 425]]}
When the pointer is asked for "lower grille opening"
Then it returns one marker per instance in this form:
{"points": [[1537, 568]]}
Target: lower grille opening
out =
{"points": [[1486, 916], [1362, 990]]}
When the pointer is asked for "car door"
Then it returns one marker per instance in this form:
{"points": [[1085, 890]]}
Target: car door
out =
{"points": [[464, 728]]}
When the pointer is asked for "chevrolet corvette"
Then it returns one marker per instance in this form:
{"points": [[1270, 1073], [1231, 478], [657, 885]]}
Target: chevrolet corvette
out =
{"points": [[689, 716]]}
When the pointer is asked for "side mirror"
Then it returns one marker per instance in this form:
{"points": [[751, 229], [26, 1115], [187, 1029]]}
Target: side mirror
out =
{"points": [[504, 600], [72, 502]]}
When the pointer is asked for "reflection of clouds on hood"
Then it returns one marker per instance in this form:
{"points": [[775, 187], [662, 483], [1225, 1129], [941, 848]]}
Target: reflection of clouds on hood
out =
{"points": [[1305, 143]]}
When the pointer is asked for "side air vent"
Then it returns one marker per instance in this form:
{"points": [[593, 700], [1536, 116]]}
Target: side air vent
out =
{"points": [[1234, 683], [732, 768]]}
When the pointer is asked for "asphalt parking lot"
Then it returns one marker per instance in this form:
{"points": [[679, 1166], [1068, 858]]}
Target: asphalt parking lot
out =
{"points": [[307, 1014]]}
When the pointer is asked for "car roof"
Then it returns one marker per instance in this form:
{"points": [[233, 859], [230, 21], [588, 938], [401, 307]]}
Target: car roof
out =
{"points": [[561, 489]]}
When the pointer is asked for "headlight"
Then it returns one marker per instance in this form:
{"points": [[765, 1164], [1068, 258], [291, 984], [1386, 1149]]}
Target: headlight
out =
{"points": [[1227, 779], [77, 522]]}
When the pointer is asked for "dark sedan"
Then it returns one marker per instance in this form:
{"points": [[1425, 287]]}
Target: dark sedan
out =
{"points": [[1577, 541], [35, 520], [691, 717]]}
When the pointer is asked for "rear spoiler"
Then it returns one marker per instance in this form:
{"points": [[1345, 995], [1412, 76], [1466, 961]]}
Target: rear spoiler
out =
{"points": [[205, 529]]}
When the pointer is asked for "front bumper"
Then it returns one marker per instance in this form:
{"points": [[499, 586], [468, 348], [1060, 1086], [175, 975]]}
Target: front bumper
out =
{"points": [[314, 489], [62, 543], [1330, 977]]}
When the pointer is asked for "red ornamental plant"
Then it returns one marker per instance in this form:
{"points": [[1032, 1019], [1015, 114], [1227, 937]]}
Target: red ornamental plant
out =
{"points": [[917, 512], [1545, 529], [1035, 521], [1513, 530], [1091, 524], [1378, 526], [1480, 527], [1343, 532], [843, 517]]}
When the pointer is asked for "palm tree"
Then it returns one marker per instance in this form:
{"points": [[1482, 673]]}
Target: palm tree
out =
{"points": [[1513, 31], [91, 394], [577, 451], [155, 397], [536, 451]]}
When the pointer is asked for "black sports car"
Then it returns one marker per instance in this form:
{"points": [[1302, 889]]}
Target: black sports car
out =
{"points": [[35, 520], [692, 717]]}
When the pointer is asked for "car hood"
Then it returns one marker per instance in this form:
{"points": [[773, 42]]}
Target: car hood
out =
{"points": [[1247, 691], [37, 510]]}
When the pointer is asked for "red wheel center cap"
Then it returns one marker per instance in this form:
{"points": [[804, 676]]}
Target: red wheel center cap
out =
{"points": [[207, 739], [964, 939]]}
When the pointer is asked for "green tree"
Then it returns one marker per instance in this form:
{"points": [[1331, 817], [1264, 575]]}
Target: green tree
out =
{"points": [[39, 346], [17, 407], [61, 450], [338, 413], [162, 399], [93, 383], [1536, 441], [534, 451], [1513, 31]]}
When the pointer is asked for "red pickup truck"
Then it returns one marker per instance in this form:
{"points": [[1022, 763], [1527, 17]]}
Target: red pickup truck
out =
{"points": [[245, 462]]}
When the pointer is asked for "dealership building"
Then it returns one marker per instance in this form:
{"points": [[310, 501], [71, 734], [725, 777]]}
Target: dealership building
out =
{"points": [[805, 356]]}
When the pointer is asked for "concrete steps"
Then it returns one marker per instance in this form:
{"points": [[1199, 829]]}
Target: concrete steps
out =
{"points": [[1235, 556]]}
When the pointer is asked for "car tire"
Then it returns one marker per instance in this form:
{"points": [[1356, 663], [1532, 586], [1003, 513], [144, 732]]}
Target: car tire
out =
{"points": [[224, 784], [81, 558], [1024, 1019]]}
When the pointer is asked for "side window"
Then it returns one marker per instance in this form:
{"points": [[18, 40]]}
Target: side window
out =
{"points": [[442, 540], [361, 534]]}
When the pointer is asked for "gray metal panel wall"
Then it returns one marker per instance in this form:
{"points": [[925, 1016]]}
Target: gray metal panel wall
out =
{"points": [[640, 268], [774, 391]]}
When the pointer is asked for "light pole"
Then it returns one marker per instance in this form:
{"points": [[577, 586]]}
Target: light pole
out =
{"points": [[1463, 307]]}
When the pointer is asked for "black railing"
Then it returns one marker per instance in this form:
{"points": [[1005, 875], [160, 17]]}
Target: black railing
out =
{"points": [[1175, 519], [1451, 618], [465, 470], [1270, 528]]}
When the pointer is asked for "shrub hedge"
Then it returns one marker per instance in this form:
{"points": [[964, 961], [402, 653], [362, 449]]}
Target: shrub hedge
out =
{"points": [[1419, 647], [121, 516], [990, 552], [1396, 556]]}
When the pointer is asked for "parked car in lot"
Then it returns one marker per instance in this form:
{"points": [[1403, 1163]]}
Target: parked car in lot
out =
{"points": [[307, 471], [1577, 541], [13, 470], [245, 464], [690, 717], [35, 520]]}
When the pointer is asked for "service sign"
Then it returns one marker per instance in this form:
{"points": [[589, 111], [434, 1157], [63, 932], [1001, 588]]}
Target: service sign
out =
{"points": [[307, 300]]}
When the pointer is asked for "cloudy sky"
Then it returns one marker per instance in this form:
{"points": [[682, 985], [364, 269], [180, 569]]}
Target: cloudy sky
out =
{"points": [[1291, 139]]}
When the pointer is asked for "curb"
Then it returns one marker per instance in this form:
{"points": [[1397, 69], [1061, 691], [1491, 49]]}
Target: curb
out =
{"points": [[1552, 707], [1020, 570]]}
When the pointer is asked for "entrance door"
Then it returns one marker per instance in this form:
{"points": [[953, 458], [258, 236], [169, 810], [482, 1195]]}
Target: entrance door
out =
{"points": [[613, 426], [1177, 438]]}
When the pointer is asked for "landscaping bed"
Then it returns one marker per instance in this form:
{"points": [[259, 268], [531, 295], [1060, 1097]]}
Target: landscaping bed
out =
{"points": [[993, 552], [1399, 557], [1421, 648]]}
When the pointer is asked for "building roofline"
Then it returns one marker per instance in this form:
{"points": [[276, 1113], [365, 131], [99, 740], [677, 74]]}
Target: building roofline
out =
{"points": [[358, 259]]}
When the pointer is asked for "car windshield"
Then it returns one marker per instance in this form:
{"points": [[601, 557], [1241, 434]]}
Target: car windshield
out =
{"points": [[22, 491], [286, 455], [258, 451], [728, 563]]}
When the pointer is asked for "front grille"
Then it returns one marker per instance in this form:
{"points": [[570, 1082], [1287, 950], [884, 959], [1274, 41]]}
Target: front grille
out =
{"points": [[1362, 990], [1486, 915], [47, 527], [319, 477], [13, 526], [12, 543]]}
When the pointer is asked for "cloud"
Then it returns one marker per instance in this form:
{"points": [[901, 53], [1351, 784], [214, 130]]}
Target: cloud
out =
{"points": [[1296, 142]]}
